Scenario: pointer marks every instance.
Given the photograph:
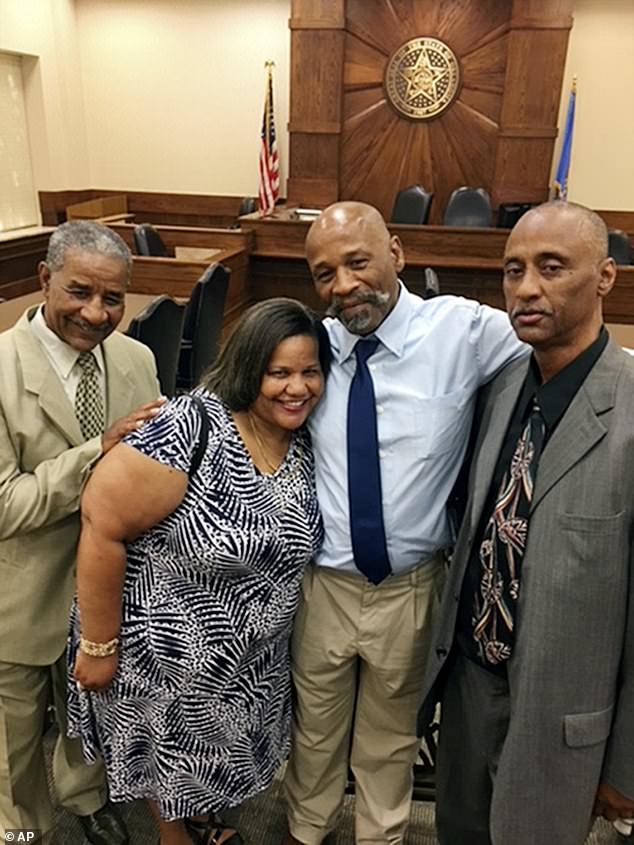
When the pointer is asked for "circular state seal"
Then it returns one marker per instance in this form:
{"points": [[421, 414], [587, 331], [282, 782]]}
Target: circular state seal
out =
{"points": [[422, 78]]}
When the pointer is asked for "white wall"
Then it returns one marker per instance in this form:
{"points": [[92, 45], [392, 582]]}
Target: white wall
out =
{"points": [[601, 55], [174, 91], [167, 95], [44, 32], [18, 203]]}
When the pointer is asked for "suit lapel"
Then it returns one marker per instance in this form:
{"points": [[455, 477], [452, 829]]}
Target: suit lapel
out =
{"points": [[119, 383], [494, 423], [581, 427], [41, 380]]}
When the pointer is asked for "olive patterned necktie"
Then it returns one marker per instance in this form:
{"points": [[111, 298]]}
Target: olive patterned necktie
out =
{"points": [[88, 399]]}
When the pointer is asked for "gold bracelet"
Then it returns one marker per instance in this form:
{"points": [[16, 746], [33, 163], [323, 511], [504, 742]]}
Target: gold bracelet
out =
{"points": [[99, 649]]}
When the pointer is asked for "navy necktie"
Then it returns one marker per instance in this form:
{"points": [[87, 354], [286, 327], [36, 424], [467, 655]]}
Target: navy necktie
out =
{"points": [[364, 474]]}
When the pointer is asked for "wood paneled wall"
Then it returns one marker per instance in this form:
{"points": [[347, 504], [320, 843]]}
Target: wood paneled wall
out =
{"points": [[19, 258], [346, 140], [149, 206]]}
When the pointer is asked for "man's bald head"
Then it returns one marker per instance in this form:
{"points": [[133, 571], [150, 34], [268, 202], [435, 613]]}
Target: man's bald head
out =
{"points": [[556, 274], [589, 226], [355, 264], [348, 215]]}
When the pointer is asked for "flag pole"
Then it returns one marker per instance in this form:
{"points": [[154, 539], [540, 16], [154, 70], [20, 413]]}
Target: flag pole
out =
{"points": [[560, 182], [269, 170]]}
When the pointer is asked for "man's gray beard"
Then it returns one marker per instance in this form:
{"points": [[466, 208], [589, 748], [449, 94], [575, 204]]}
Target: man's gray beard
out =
{"points": [[361, 322]]}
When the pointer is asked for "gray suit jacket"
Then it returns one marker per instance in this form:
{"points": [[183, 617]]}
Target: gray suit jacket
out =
{"points": [[571, 676], [43, 464]]}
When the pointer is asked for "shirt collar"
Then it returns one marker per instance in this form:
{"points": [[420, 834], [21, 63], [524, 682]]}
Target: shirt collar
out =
{"points": [[62, 353], [554, 397], [391, 332]]}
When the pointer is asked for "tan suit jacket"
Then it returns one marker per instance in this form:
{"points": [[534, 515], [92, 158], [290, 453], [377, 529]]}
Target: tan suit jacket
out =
{"points": [[43, 464]]}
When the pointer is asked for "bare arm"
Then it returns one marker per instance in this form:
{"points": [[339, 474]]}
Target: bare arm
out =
{"points": [[127, 494]]}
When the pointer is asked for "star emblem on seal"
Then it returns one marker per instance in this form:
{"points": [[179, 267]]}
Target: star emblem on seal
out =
{"points": [[422, 78]]}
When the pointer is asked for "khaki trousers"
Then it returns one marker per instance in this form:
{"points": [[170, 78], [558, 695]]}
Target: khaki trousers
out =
{"points": [[25, 692], [358, 655]]}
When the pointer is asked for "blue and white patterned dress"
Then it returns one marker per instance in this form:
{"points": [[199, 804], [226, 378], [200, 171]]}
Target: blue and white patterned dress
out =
{"points": [[197, 717]]}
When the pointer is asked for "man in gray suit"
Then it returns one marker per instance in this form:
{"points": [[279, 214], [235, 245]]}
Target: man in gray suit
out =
{"points": [[68, 387], [534, 657]]}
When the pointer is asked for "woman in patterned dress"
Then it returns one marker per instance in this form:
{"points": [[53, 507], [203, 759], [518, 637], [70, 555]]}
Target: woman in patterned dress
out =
{"points": [[188, 578]]}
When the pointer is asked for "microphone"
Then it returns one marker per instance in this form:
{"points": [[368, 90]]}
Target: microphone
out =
{"points": [[432, 285]]}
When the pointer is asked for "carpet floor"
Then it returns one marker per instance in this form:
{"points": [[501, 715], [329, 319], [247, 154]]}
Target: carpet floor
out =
{"points": [[262, 822]]}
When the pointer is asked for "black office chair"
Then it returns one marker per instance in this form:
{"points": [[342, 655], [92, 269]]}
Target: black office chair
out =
{"points": [[510, 212], [619, 246], [247, 206], [147, 241], [468, 207], [412, 205], [160, 326], [203, 325]]}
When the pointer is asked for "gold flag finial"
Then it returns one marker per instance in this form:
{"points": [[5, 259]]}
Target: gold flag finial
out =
{"points": [[574, 83], [269, 64]]}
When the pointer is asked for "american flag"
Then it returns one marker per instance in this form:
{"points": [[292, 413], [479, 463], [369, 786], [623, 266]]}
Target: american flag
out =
{"points": [[269, 189]]}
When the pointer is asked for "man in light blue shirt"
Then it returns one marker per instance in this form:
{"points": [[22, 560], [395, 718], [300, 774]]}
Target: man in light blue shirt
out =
{"points": [[359, 646]]}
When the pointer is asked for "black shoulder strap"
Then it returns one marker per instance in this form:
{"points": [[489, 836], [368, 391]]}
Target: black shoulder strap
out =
{"points": [[204, 435]]}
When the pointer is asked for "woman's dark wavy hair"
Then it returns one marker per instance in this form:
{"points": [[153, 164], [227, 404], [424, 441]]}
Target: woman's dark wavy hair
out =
{"points": [[237, 373]]}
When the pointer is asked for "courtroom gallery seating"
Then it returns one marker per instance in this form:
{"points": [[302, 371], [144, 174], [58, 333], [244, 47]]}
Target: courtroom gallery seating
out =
{"points": [[147, 241], [160, 326], [202, 326], [619, 246], [412, 205], [468, 207]]}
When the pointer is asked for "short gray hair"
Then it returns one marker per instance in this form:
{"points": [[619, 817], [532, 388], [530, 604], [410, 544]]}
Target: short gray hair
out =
{"points": [[87, 236]]}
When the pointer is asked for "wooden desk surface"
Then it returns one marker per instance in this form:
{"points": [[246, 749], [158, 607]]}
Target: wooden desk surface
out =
{"points": [[12, 309], [195, 253]]}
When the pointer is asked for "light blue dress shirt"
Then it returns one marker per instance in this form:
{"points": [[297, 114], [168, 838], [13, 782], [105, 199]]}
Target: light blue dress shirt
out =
{"points": [[433, 357]]}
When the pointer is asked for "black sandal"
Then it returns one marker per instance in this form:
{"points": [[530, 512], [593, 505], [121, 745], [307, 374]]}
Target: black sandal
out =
{"points": [[210, 832]]}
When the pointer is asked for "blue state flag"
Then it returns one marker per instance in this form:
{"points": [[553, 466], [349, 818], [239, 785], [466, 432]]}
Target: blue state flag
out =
{"points": [[561, 176]]}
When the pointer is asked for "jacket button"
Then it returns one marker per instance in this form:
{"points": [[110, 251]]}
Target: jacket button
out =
{"points": [[441, 652]]}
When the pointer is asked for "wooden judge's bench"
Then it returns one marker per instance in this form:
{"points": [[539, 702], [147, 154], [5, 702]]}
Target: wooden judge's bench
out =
{"points": [[468, 262], [266, 258]]}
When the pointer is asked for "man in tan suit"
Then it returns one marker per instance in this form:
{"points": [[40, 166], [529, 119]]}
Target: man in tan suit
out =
{"points": [[68, 387]]}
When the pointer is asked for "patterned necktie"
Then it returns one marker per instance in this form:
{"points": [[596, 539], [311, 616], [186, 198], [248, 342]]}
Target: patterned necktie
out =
{"points": [[364, 473], [88, 399], [502, 547]]}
